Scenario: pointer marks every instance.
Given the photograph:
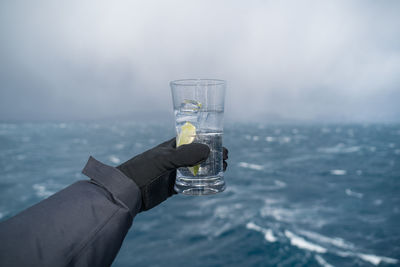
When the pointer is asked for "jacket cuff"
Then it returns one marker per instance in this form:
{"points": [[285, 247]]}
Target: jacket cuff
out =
{"points": [[121, 187]]}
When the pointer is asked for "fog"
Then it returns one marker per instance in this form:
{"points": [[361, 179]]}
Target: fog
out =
{"points": [[330, 61]]}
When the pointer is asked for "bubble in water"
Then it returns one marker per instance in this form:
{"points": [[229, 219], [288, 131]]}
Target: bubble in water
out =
{"points": [[203, 119]]}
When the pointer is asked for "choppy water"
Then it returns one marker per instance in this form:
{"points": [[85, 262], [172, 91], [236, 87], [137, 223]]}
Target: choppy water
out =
{"points": [[296, 195]]}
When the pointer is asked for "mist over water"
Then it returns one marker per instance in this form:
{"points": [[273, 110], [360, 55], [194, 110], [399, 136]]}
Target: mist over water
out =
{"points": [[283, 60]]}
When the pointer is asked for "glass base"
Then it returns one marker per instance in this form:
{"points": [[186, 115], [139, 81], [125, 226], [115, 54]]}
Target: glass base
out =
{"points": [[199, 187]]}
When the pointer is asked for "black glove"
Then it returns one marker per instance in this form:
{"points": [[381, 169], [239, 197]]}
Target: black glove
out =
{"points": [[154, 171]]}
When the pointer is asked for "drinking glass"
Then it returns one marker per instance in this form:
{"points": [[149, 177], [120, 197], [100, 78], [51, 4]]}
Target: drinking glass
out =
{"points": [[199, 111]]}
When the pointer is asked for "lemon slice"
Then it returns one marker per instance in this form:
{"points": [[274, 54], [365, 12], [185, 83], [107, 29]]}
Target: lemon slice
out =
{"points": [[187, 134], [185, 137]]}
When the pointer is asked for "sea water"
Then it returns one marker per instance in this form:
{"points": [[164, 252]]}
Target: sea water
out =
{"points": [[297, 195], [208, 124]]}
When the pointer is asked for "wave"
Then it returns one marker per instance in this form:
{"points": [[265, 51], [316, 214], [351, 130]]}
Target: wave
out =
{"points": [[42, 191], [339, 149], [301, 243], [338, 172], [279, 184], [342, 244], [376, 260], [373, 259], [279, 214], [335, 241], [352, 193], [251, 166], [268, 233], [322, 261], [270, 139], [114, 159]]}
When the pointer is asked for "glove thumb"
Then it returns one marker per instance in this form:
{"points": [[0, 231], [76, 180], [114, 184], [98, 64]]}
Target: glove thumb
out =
{"points": [[190, 155]]}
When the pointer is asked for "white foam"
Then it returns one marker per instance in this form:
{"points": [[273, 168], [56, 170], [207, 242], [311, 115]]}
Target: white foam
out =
{"points": [[301, 243], [268, 234], [352, 193], [321, 261], [378, 202], [276, 186], [270, 139], [229, 211], [376, 260], [280, 184], [373, 259], [222, 212], [271, 201], [277, 213], [339, 148], [255, 138], [338, 172], [114, 159], [335, 241], [41, 190], [351, 149], [284, 140], [251, 166], [222, 229]]}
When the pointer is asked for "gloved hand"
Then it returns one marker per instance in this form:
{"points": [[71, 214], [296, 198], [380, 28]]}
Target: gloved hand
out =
{"points": [[154, 171]]}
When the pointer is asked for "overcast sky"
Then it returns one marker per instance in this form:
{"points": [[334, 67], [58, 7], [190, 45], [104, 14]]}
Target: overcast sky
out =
{"points": [[300, 60]]}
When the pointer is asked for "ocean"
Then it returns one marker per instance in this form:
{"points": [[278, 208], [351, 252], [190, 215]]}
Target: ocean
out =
{"points": [[297, 195]]}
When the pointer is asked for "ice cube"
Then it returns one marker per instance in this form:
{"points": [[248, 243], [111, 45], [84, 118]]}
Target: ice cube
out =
{"points": [[190, 106], [184, 117]]}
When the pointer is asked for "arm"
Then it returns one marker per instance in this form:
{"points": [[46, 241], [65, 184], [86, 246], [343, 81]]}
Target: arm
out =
{"points": [[82, 225], [86, 223]]}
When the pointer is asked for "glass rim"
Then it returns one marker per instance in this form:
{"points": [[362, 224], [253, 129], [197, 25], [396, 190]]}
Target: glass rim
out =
{"points": [[196, 82]]}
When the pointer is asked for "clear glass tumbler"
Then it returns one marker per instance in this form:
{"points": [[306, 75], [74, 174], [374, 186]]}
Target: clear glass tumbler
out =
{"points": [[199, 112]]}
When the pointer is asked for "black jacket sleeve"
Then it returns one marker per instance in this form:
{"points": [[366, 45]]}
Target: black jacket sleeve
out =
{"points": [[82, 225]]}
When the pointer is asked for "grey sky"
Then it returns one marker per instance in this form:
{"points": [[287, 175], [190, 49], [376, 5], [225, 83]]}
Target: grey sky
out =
{"points": [[302, 60]]}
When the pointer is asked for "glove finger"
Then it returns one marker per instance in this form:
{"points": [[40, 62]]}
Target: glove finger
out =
{"points": [[190, 155], [225, 153], [170, 143], [225, 165]]}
